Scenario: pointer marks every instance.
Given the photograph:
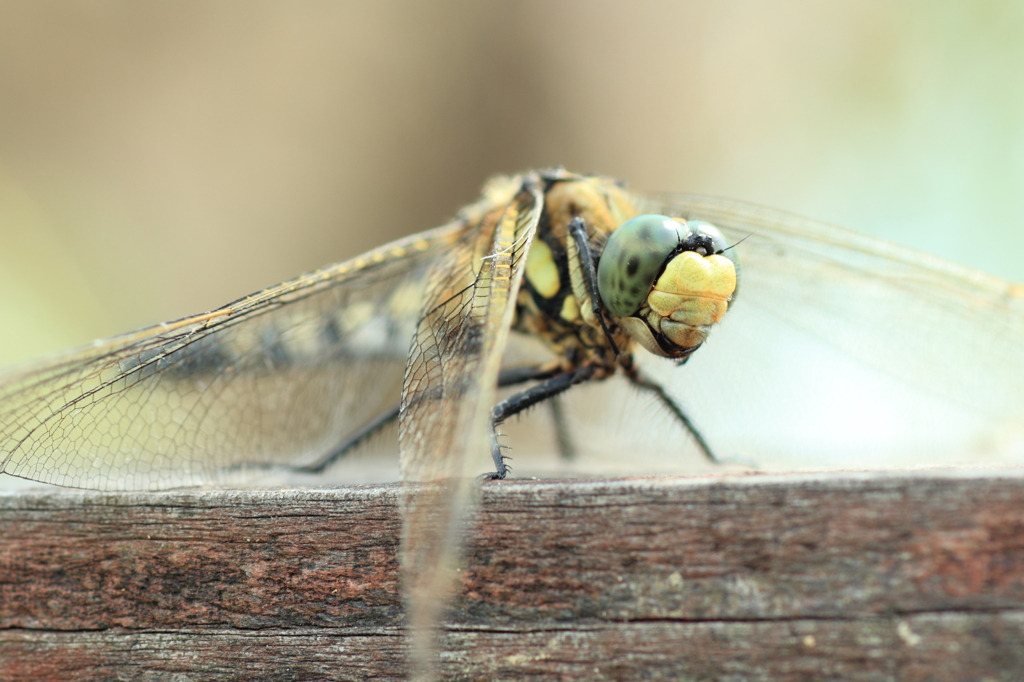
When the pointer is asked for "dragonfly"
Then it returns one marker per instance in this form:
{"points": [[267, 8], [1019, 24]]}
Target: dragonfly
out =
{"points": [[299, 374], [750, 334]]}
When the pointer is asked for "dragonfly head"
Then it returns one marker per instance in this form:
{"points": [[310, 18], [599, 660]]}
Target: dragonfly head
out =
{"points": [[667, 281]]}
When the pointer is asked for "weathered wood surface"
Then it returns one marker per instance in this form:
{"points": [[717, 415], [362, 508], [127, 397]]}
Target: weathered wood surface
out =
{"points": [[841, 576]]}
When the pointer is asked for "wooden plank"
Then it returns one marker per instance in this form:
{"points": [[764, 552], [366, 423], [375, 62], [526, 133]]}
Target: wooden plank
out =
{"points": [[862, 577]]}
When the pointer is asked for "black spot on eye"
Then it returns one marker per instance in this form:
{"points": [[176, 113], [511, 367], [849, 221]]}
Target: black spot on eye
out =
{"points": [[632, 265]]}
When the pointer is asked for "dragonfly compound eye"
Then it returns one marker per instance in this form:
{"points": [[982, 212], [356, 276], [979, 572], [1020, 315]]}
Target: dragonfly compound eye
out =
{"points": [[667, 280]]}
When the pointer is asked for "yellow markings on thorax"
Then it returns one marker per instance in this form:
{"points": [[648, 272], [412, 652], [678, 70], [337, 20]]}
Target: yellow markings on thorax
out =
{"points": [[570, 309], [600, 203], [541, 270], [603, 206]]}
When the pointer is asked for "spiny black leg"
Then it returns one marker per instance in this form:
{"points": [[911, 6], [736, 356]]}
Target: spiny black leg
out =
{"points": [[521, 401], [651, 386], [508, 377], [368, 429], [578, 230], [566, 448], [520, 375], [517, 375]]}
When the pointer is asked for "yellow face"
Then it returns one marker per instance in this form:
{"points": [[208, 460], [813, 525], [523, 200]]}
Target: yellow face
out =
{"points": [[691, 295]]}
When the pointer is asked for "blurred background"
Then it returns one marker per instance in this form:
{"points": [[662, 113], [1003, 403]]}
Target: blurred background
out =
{"points": [[160, 159]]}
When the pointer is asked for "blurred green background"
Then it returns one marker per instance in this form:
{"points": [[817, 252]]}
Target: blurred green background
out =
{"points": [[159, 159]]}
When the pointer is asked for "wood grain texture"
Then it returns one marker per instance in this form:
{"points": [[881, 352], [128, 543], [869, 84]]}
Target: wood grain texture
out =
{"points": [[803, 577]]}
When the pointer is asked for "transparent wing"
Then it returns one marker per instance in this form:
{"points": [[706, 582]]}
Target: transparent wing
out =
{"points": [[841, 351], [844, 350], [457, 349], [449, 390], [279, 377]]}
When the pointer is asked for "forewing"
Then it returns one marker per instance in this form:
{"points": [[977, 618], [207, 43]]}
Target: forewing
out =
{"points": [[280, 377], [456, 351], [449, 390], [845, 349]]}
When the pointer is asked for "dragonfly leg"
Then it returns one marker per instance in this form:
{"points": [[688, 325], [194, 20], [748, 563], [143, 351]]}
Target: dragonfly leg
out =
{"points": [[511, 376], [367, 430], [566, 448], [508, 377], [547, 389], [651, 386], [578, 230], [517, 375]]}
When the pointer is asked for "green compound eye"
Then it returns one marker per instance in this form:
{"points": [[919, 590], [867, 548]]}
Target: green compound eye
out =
{"points": [[633, 257], [636, 254]]}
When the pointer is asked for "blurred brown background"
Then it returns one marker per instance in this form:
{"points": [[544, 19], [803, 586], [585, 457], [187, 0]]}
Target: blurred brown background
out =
{"points": [[159, 159]]}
